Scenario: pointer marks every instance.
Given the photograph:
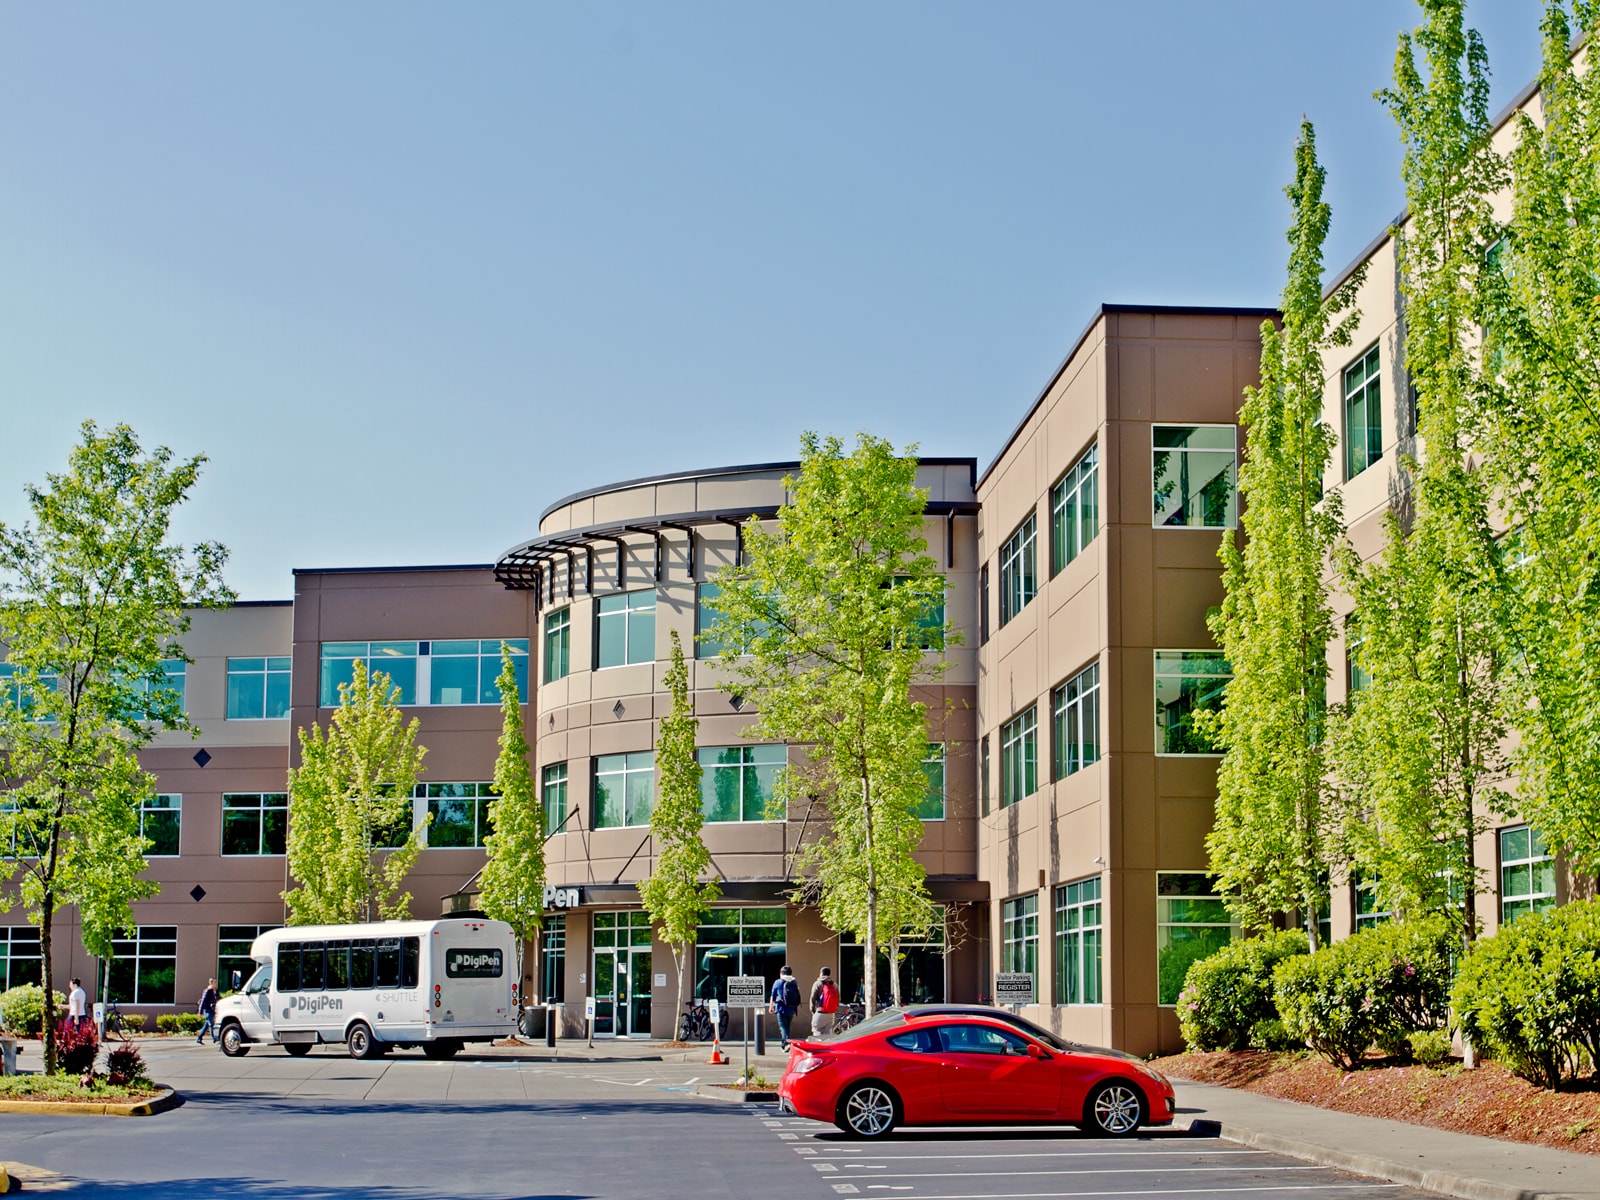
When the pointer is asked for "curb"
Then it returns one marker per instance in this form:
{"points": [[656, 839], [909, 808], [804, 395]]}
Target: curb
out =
{"points": [[733, 1095], [159, 1103], [1446, 1183]]}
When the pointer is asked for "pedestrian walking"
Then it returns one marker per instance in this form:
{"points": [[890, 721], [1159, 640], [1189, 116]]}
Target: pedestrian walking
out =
{"points": [[77, 1005], [824, 1003], [208, 1013], [785, 1002]]}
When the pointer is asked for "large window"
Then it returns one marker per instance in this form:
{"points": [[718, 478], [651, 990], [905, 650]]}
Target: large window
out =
{"points": [[460, 812], [737, 782], [707, 615], [1188, 682], [346, 964], [1018, 581], [174, 672], [553, 794], [1075, 510], [20, 960], [1369, 908], [1078, 940], [932, 806], [159, 820], [1019, 934], [921, 969], [557, 644], [258, 689], [983, 604], [144, 966], [983, 773], [1075, 722], [553, 935], [624, 789], [1527, 874], [1191, 923], [738, 941], [625, 629], [1019, 757], [233, 954], [1193, 468], [255, 822], [1363, 424], [448, 673], [1357, 677], [11, 687]]}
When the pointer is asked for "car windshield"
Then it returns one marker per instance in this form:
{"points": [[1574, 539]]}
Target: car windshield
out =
{"points": [[259, 982]]}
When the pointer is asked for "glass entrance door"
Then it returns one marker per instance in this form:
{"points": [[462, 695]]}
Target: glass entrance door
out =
{"points": [[622, 981], [639, 992]]}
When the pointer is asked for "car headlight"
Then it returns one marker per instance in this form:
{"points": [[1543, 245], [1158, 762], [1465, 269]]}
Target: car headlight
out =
{"points": [[1157, 1076]]}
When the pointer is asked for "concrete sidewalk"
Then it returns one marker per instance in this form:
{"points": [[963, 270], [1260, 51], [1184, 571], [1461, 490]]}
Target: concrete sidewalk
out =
{"points": [[1456, 1164]]}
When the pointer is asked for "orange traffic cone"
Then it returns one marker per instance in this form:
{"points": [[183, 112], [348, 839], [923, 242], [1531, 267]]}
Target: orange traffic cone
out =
{"points": [[718, 1058]]}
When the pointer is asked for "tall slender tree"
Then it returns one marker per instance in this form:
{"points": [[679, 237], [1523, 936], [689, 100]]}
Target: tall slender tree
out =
{"points": [[95, 595], [1269, 844], [512, 882], [676, 895]]}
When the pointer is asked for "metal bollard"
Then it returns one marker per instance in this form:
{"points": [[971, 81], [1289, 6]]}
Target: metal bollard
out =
{"points": [[761, 1033], [550, 1019]]}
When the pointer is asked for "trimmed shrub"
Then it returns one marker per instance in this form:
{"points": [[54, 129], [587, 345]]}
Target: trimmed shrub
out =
{"points": [[134, 1022], [167, 1022], [1372, 988], [125, 1065], [1530, 995], [1429, 1046], [76, 1048], [22, 1010], [190, 1022], [1271, 1035], [1227, 994]]}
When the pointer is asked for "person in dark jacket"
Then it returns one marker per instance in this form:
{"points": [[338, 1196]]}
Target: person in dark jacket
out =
{"points": [[785, 1002], [208, 1010]]}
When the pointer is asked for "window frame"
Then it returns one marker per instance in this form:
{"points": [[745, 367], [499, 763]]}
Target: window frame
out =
{"points": [[425, 805], [237, 938], [749, 752], [556, 635], [129, 948], [174, 810], [548, 780], [11, 936], [1072, 905], [1070, 516], [627, 771], [416, 681], [1019, 569], [261, 810], [1071, 712], [1369, 389], [1535, 900], [1019, 934], [629, 613], [1232, 518], [934, 760], [1021, 730], [1212, 896], [1157, 676], [266, 674]]}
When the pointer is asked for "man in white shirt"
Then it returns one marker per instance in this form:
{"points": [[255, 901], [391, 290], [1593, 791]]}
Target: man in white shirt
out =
{"points": [[77, 1005]]}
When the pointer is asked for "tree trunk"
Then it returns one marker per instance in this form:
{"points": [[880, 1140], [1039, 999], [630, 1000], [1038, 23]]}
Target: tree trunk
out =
{"points": [[894, 970], [869, 973], [47, 912], [681, 961]]}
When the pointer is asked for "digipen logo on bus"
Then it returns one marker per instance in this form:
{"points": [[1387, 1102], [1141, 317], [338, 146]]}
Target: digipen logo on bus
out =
{"points": [[312, 1004]]}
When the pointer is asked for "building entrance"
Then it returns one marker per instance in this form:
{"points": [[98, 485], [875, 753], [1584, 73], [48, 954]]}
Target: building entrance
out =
{"points": [[622, 983]]}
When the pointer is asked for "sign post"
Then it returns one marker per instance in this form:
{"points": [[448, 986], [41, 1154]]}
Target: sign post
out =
{"points": [[588, 1018], [746, 992], [1013, 989]]}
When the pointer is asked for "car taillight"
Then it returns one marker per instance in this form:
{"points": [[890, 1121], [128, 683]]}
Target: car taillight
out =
{"points": [[809, 1063]]}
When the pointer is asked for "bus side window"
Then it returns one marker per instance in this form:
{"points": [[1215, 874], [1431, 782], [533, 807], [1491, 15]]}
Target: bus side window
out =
{"points": [[408, 962], [289, 967], [338, 966], [361, 963], [387, 974], [311, 972]]}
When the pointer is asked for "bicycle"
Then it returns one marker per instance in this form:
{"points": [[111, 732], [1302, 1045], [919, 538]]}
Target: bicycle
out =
{"points": [[695, 1025], [848, 1016], [114, 1024]]}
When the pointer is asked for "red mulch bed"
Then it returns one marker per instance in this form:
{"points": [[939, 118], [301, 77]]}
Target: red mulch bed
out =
{"points": [[1489, 1101]]}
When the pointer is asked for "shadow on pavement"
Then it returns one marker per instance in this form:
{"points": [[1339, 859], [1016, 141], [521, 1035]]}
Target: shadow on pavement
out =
{"points": [[258, 1103], [209, 1189], [1067, 1133]]}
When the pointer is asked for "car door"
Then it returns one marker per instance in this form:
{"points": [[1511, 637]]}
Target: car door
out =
{"points": [[914, 1073], [987, 1071]]}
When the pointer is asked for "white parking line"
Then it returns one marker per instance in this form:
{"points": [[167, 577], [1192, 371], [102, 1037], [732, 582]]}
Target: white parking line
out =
{"points": [[1233, 1191], [1058, 1173], [1147, 1153]]}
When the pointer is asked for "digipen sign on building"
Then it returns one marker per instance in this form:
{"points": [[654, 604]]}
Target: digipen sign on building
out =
{"points": [[563, 897]]}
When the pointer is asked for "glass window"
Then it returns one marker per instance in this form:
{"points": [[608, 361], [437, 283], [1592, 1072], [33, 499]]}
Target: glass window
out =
{"points": [[932, 806], [11, 686], [553, 938], [398, 660], [625, 629], [737, 782], [254, 822], [981, 1039], [930, 632], [1357, 677], [1368, 912], [159, 820], [1075, 720], [921, 968], [174, 677], [20, 959], [460, 812], [706, 617], [1075, 510], [1019, 934], [739, 941], [1018, 583], [1078, 940], [1363, 423], [983, 604], [557, 644], [233, 954], [624, 789], [983, 773], [1191, 923], [144, 965], [553, 793], [1527, 874], [1019, 757], [258, 689], [1188, 682], [1193, 469], [467, 671]]}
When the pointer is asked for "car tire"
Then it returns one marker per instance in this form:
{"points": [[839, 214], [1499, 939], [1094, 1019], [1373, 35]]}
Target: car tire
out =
{"points": [[868, 1110], [297, 1049], [360, 1043], [1115, 1108], [443, 1048], [232, 1039]]}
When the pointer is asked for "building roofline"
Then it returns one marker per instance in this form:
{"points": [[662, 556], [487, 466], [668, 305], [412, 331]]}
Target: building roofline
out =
{"points": [[1101, 311], [391, 570], [261, 604]]}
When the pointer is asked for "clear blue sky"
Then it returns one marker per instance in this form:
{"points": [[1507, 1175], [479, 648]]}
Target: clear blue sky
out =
{"points": [[407, 273]]}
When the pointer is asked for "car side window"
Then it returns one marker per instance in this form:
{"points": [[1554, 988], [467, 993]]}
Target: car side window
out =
{"points": [[981, 1039], [917, 1041]]}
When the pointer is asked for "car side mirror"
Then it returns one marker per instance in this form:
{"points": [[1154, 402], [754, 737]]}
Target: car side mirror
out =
{"points": [[1037, 1051]]}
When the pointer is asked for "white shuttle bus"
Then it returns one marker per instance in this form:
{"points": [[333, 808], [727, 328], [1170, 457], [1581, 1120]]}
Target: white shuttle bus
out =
{"points": [[377, 987]]}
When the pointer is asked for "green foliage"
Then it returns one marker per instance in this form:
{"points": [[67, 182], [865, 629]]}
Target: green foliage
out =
{"points": [[136, 1021], [1373, 988], [1227, 995], [1429, 1046], [674, 894], [353, 786], [183, 1022], [1271, 1034], [1175, 958], [829, 613], [1530, 994], [22, 1009], [94, 594], [511, 885]]}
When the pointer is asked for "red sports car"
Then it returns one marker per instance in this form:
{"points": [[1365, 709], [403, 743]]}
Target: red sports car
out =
{"points": [[947, 1066]]}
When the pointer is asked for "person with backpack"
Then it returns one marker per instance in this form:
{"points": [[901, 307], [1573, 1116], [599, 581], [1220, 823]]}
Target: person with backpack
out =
{"points": [[785, 1002], [824, 1003]]}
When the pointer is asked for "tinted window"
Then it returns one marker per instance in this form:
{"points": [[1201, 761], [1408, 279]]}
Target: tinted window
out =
{"points": [[386, 973], [408, 962], [981, 1039], [259, 982], [917, 1041], [338, 966], [311, 973], [289, 967], [361, 964]]}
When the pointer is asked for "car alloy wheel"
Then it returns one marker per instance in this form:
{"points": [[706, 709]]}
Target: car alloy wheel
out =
{"points": [[1116, 1108], [869, 1111], [360, 1042]]}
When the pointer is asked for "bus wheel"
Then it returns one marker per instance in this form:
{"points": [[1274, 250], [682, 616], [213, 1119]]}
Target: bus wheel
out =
{"points": [[443, 1048], [233, 1043], [360, 1042], [297, 1049]]}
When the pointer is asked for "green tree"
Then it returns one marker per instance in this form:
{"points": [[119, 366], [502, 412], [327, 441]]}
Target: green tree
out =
{"points": [[348, 800], [96, 595], [1420, 748], [674, 895], [512, 881], [1269, 844], [826, 625]]}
